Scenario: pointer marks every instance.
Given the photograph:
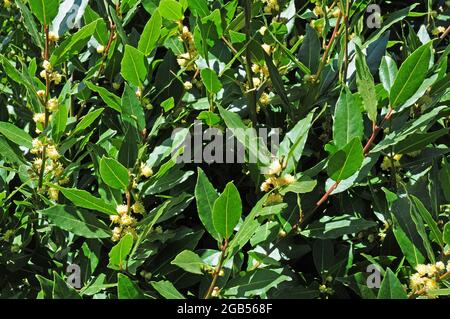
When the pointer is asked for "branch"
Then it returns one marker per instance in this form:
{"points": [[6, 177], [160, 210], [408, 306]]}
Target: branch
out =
{"points": [[328, 48], [375, 130], [217, 270]]}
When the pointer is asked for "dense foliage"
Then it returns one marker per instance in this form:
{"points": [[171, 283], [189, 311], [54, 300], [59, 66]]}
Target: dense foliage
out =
{"points": [[97, 102]]}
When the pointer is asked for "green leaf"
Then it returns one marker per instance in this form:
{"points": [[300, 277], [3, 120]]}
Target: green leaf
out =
{"points": [[61, 290], [388, 72], [444, 178], [348, 121], [46, 287], [119, 253], [114, 174], [76, 221], [446, 235], [257, 151], [366, 86], [9, 153], [227, 211], [73, 44], [168, 104], [418, 141], [190, 262], [167, 289], [406, 233], [59, 122], [30, 23], [87, 120], [209, 117], [84, 199], [205, 196], [344, 163], [171, 10], [133, 68], [294, 142], [411, 75], [391, 287], [211, 80], [309, 52], [112, 100], [303, 185], [132, 109], [151, 33], [199, 7], [128, 151], [421, 209], [277, 82], [15, 134], [323, 255], [127, 289], [247, 229], [254, 283], [335, 227], [44, 10]]}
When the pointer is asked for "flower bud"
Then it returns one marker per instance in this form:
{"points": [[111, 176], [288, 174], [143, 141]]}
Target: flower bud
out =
{"points": [[100, 49], [52, 104], [187, 85], [53, 36]]}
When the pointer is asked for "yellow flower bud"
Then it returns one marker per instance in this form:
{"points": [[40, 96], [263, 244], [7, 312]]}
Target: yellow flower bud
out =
{"points": [[53, 36], [47, 66], [138, 92], [53, 193], [114, 218], [100, 49], [122, 209], [146, 171], [52, 153], [53, 104], [264, 99], [138, 208], [187, 85], [39, 117], [262, 30], [266, 48]]}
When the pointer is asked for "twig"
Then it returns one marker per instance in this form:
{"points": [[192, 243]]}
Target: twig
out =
{"points": [[346, 62], [376, 129], [446, 32], [251, 93], [328, 48], [47, 94], [217, 270], [112, 31]]}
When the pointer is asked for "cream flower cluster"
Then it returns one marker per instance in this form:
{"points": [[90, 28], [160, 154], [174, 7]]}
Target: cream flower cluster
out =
{"points": [[272, 6], [53, 168], [50, 73], [126, 223], [261, 73], [274, 180], [185, 60], [427, 276], [388, 163]]}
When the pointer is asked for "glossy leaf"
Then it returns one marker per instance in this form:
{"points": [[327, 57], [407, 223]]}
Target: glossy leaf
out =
{"points": [[227, 211], [114, 174], [76, 221], [410, 76]]}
